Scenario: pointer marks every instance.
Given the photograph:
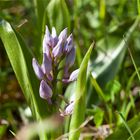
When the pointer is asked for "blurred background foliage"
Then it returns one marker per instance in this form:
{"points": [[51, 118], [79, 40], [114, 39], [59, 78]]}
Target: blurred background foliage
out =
{"points": [[112, 82]]}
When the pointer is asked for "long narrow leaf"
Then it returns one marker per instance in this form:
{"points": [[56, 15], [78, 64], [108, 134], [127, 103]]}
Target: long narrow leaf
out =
{"points": [[21, 61], [80, 97]]}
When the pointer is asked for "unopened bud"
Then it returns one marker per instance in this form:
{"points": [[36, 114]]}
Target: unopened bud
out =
{"points": [[57, 50], [47, 64], [70, 58], [37, 69], [68, 110], [63, 35], [45, 91], [72, 77], [69, 44]]}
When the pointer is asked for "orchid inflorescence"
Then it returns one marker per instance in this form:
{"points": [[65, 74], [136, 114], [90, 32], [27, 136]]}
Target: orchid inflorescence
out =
{"points": [[55, 49]]}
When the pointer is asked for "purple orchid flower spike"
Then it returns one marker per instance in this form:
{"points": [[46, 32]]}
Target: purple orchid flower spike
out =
{"points": [[55, 48], [69, 44], [37, 69], [47, 64], [45, 91]]}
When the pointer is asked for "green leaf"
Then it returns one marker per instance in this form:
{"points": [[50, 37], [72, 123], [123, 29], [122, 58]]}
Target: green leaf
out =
{"points": [[98, 117], [107, 64], [80, 98], [58, 14], [113, 56], [3, 129], [40, 6], [133, 124], [97, 113], [21, 61]]}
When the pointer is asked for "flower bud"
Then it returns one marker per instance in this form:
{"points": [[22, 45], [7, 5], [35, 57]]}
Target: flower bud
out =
{"points": [[37, 69], [68, 110], [54, 32], [54, 38], [72, 77], [47, 32], [70, 58], [63, 35], [57, 50], [45, 91], [47, 64], [69, 44], [47, 42], [46, 48]]}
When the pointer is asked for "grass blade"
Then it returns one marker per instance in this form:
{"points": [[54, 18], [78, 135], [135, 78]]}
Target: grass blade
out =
{"points": [[21, 61], [127, 127], [80, 98], [135, 66]]}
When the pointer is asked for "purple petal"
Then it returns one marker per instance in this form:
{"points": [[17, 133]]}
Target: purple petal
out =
{"points": [[63, 35], [54, 42], [47, 42], [54, 32], [37, 69], [54, 39], [46, 45], [69, 44], [72, 77], [45, 91], [57, 51], [69, 110], [47, 32], [70, 58], [47, 64]]}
